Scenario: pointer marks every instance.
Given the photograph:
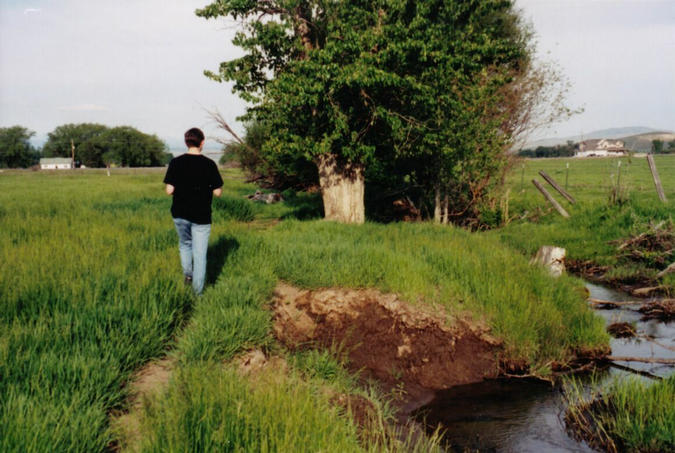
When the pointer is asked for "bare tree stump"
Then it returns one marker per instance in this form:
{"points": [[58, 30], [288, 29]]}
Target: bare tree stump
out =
{"points": [[552, 258]]}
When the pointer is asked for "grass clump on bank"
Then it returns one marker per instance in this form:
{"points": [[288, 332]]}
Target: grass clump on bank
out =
{"points": [[213, 408], [465, 274], [631, 415]]}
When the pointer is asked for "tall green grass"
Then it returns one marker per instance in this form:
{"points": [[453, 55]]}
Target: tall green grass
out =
{"points": [[629, 415], [91, 289]]}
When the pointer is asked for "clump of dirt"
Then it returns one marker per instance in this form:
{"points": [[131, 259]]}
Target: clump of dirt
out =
{"points": [[663, 310], [621, 330], [150, 380], [255, 361], [362, 410], [403, 347]]}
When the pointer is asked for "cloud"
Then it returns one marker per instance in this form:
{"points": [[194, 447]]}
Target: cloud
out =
{"points": [[32, 11], [84, 108]]}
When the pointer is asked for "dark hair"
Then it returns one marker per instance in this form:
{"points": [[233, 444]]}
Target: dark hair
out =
{"points": [[194, 137]]}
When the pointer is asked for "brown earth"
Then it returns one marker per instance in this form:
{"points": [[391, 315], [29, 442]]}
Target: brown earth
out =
{"points": [[150, 380], [407, 349], [621, 330]]}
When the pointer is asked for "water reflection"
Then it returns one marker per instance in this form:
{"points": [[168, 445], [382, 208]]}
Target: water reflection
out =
{"points": [[502, 416], [521, 416]]}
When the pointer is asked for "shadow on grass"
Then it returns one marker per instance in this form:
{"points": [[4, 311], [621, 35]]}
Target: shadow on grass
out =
{"points": [[217, 255], [305, 206]]}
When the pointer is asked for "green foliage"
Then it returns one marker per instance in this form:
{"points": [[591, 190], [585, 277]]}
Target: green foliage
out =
{"points": [[278, 170], [15, 148], [417, 92], [97, 145]]}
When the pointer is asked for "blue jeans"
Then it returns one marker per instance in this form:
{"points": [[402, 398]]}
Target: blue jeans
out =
{"points": [[193, 242]]}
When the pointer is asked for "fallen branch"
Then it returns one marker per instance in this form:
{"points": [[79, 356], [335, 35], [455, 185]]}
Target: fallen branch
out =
{"points": [[667, 270], [664, 361], [633, 370], [658, 343], [615, 303], [580, 369]]}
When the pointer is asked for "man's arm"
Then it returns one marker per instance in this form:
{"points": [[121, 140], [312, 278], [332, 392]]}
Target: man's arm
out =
{"points": [[217, 192], [169, 189]]}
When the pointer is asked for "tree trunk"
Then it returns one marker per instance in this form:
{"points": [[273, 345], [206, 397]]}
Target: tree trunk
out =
{"points": [[446, 214], [342, 190], [437, 205]]}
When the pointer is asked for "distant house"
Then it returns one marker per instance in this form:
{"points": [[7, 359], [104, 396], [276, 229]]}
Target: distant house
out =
{"points": [[601, 147], [56, 163]]}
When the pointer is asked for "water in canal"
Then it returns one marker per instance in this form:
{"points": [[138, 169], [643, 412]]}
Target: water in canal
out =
{"points": [[519, 416]]}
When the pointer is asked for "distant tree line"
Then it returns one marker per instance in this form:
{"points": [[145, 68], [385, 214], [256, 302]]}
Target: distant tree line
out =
{"points": [[95, 145], [15, 148], [566, 150]]}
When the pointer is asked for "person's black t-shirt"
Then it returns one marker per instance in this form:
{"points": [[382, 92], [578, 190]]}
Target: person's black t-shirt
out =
{"points": [[194, 178]]}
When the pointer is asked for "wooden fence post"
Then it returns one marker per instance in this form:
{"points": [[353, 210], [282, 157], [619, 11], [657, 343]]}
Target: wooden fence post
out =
{"points": [[655, 177], [555, 185], [550, 199]]}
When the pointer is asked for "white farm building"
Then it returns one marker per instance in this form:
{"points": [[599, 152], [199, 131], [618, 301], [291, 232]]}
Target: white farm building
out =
{"points": [[601, 148], [56, 163]]}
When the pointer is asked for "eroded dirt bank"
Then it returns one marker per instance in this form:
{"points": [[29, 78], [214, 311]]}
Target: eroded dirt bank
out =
{"points": [[403, 347]]}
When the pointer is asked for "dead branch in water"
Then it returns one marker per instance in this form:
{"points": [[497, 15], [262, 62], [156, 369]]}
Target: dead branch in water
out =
{"points": [[658, 343], [664, 361], [633, 370], [614, 304]]}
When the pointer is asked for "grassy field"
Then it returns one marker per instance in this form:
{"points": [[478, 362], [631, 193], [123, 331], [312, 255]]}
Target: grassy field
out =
{"points": [[594, 221], [91, 288]]}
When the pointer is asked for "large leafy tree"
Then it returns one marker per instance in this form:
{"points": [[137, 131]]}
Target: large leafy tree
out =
{"points": [[15, 148], [405, 91]]}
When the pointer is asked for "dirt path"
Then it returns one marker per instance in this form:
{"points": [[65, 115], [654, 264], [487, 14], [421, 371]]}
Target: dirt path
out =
{"points": [[150, 380]]}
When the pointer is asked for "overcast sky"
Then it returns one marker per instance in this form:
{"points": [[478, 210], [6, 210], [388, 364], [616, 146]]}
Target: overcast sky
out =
{"points": [[141, 62]]}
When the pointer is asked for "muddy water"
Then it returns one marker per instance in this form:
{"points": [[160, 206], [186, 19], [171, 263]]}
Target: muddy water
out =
{"points": [[517, 416]]}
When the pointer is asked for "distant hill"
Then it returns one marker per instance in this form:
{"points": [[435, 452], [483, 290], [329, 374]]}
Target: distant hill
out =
{"points": [[613, 133], [643, 142]]}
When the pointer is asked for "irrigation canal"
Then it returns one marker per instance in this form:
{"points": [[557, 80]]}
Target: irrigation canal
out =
{"points": [[524, 416]]}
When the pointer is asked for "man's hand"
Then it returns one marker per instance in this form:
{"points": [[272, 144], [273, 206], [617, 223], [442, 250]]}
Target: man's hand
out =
{"points": [[218, 192], [169, 189]]}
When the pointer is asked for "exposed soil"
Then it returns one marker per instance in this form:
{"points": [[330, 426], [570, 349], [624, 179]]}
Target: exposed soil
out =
{"points": [[410, 351], [150, 380], [362, 410], [621, 330]]}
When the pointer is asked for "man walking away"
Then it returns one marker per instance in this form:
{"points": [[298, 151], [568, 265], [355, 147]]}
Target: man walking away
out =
{"points": [[193, 179]]}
